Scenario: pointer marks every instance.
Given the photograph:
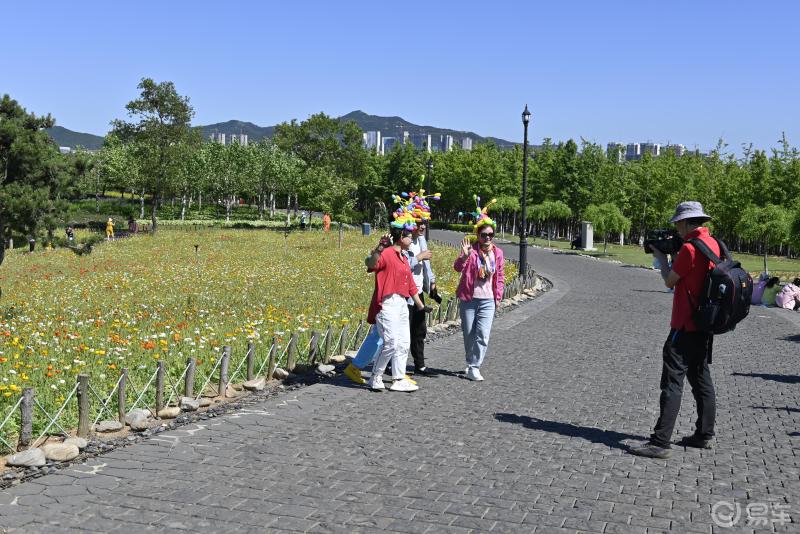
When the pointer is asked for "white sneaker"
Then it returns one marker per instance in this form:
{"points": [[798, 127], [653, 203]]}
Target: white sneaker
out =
{"points": [[403, 385], [473, 373], [375, 383]]}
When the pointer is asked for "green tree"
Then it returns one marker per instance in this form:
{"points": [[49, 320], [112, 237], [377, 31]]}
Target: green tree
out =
{"points": [[549, 212], [31, 172], [119, 164], [770, 225], [607, 218], [331, 150], [160, 122]]}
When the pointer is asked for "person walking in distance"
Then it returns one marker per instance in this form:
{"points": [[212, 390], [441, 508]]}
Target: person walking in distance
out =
{"points": [[687, 351], [480, 290], [110, 229]]}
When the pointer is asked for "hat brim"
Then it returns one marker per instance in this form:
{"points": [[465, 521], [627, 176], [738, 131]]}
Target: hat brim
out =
{"points": [[690, 215]]}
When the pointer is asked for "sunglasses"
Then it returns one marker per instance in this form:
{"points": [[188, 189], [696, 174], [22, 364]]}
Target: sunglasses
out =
{"points": [[487, 235]]}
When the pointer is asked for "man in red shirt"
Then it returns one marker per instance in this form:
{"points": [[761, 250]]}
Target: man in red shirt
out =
{"points": [[388, 310], [687, 351]]}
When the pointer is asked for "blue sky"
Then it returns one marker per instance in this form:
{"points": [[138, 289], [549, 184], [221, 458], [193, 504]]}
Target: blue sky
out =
{"points": [[682, 72]]}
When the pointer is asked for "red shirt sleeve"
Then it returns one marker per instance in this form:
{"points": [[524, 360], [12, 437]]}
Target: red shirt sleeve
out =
{"points": [[381, 263], [684, 261]]}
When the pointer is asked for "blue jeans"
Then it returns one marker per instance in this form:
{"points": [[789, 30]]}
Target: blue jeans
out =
{"points": [[369, 350], [476, 325]]}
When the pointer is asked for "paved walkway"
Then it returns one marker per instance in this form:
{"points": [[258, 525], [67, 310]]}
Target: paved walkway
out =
{"points": [[571, 379]]}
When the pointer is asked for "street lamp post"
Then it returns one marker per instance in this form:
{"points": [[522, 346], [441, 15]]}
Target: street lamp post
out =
{"points": [[428, 192], [523, 233]]}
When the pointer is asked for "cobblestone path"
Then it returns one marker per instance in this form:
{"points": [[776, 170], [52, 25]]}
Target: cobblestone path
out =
{"points": [[571, 380]]}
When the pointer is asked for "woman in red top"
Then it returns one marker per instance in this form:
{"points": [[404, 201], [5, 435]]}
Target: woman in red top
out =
{"points": [[388, 310]]}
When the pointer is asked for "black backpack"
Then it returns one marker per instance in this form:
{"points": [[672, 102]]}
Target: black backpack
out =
{"points": [[727, 292]]}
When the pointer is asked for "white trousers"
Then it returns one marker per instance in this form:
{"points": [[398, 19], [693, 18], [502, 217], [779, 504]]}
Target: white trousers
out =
{"points": [[392, 324]]}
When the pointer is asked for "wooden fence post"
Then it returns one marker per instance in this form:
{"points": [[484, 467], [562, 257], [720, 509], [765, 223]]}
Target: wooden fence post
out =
{"points": [[26, 418], [251, 353], [344, 339], [357, 337], [159, 386], [188, 388], [83, 406], [327, 346], [272, 363], [121, 393], [223, 370], [313, 348], [291, 353]]}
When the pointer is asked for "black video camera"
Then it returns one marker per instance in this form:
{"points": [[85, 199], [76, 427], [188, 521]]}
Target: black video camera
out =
{"points": [[666, 240]]}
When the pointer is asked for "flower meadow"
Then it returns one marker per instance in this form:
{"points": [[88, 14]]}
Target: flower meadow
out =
{"points": [[180, 294]]}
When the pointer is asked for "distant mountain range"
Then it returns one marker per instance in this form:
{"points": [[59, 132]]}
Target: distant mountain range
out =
{"points": [[64, 137], [388, 126]]}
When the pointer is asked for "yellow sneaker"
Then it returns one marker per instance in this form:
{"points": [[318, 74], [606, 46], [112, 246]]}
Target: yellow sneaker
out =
{"points": [[354, 373], [411, 380]]}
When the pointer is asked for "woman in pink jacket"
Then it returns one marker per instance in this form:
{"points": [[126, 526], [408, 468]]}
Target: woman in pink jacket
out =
{"points": [[789, 296], [480, 289]]}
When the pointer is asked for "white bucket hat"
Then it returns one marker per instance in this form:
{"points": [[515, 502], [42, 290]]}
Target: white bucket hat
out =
{"points": [[690, 209]]}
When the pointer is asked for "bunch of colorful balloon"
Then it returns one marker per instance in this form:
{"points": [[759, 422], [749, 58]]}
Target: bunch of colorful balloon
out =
{"points": [[413, 208], [481, 215]]}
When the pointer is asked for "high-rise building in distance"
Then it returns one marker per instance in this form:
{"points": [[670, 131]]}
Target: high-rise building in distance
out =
{"points": [[615, 152], [633, 152], [654, 149], [679, 149], [445, 143], [372, 140], [387, 143], [421, 141]]}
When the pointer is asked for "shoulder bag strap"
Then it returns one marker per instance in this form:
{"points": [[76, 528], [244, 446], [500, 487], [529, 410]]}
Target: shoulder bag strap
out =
{"points": [[723, 248], [707, 252]]}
